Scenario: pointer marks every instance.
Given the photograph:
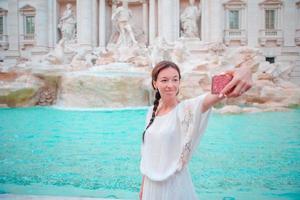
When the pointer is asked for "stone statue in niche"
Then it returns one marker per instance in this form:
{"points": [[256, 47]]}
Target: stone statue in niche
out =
{"points": [[189, 19], [124, 35], [67, 24]]}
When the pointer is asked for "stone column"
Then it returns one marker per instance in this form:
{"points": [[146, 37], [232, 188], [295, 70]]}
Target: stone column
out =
{"points": [[255, 20], [84, 22], [205, 20], [94, 23], [41, 32], [289, 11], [244, 21], [212, 14], [216, 17], [51, 21], [263, 17], [244, 25], [145, 19], [227, 19], [166, 19], [152, 21], [102, 29], [12, 28], [298, 14], [226, 26], [176, 20]]}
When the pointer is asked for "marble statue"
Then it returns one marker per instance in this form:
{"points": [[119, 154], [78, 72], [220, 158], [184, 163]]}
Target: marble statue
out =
{"points": [[83, 59], [57, 55], [179, 53], [159, 50], [216, 48], [67, 24], [121, 20], [189, 20]]}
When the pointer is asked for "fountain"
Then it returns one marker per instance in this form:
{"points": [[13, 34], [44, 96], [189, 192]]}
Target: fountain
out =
{"points": [[99, 78], [118, 75]]}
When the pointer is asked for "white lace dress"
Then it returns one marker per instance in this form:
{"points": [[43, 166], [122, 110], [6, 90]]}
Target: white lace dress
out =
{"points": [[169, 143]]}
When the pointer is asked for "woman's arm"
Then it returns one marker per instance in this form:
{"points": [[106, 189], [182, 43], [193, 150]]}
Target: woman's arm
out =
{"points": [[210, 100]]}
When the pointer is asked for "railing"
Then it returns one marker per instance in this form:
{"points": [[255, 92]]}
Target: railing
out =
{"points": [[3, 38], [26, 37], [271, 33], [235, 35], [4, 41], [27, 40], [297, 38]]}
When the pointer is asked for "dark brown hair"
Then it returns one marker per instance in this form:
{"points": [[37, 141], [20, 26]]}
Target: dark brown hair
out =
{"points": [[156, 70]]}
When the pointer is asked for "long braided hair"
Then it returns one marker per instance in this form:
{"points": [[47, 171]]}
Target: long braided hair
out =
{"points": [[156, 70]]}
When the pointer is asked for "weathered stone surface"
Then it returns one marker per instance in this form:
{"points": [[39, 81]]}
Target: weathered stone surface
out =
{"points": [[18, 89], [102, 90]]}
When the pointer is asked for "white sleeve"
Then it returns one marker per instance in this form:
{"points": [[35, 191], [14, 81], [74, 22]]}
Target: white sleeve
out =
{"points": [[193, 123]]}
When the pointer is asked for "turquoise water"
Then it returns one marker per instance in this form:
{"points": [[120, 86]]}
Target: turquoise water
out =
{"points": [[46, 151]]}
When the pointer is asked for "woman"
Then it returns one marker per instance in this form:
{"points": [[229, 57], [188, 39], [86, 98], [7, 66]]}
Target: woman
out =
{"points": [[173, 130]]}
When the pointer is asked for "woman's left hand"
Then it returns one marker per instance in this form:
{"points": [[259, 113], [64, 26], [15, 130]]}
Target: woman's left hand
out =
{"points": [[241, 82]]}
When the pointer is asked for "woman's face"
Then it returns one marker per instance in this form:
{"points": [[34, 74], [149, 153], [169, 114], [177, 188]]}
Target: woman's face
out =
{"points": [[167, 83]]}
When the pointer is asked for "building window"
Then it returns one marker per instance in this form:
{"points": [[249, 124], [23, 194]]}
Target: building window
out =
{"points": [[28, 36], [270, 59], [29, 25], [3, 14], [235, 22], [270, 19], [234, 19], [271, 30], [3, 30], [297, 38], [1, 25]]}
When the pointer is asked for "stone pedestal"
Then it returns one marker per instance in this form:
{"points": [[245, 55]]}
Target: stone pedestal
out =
{"points": [[194, 45]]}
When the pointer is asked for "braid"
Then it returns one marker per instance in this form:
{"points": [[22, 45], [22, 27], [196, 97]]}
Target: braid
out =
{"points": [[155, 105]]}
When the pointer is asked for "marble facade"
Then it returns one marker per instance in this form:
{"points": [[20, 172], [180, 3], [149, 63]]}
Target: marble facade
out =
{"points": [[158, 18]]}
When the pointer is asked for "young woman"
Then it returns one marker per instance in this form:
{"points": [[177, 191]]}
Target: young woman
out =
{"points": [[173, 131]]}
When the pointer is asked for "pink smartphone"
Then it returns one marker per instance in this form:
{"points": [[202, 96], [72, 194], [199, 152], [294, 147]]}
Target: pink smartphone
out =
{"points": [[219, 82]]}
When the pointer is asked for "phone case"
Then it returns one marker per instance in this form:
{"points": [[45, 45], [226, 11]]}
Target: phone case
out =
{"points": [[219, 82]]}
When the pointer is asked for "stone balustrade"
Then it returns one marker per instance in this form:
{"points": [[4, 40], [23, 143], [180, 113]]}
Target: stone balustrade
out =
{"points": [[235, 35], [27, 40], [297, 38], [27, 37], [4, 41], [272, 35]]}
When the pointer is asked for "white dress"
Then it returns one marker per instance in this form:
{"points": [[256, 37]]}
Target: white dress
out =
{"points": [[167, 148]]}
